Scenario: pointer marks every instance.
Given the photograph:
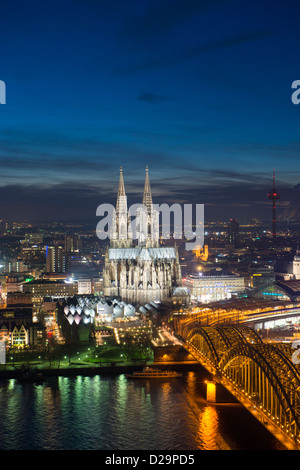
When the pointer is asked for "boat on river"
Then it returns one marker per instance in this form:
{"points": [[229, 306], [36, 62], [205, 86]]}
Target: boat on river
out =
{"points": [[153, 373]]}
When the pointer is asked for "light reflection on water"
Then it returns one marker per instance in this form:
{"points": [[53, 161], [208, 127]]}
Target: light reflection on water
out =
{"points": [[113, 413]]}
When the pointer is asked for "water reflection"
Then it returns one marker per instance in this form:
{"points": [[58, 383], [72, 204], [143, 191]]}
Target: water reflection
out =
{"points": [[208, 428], [209, 433], [114, 413]]}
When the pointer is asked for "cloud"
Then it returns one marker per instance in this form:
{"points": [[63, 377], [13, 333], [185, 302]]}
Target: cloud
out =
{"points": [[152, 98], [224, 194], [163, 16], [179, 56]]}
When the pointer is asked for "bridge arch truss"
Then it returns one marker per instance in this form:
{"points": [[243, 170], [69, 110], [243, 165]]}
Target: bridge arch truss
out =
{"points": [[262, 373]]}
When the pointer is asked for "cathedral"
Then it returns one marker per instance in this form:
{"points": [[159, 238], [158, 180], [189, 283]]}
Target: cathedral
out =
{"points": [[137, 268]]}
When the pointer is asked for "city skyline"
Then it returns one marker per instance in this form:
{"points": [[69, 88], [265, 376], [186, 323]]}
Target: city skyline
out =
{"points": [[198, 91], [127, 312]]}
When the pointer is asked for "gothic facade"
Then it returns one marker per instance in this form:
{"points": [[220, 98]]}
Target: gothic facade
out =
{"points": [[137, 268]]}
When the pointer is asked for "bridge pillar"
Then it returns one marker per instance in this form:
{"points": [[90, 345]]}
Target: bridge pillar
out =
{"points": [[211, 391], [217, 393]]}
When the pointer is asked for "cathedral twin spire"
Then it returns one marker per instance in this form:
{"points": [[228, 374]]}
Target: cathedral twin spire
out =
{"points": [[121, 188], [122, 235], [147, 197]]}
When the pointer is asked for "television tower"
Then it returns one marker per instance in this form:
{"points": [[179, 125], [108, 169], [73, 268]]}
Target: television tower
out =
{"points": [[274, 195]]}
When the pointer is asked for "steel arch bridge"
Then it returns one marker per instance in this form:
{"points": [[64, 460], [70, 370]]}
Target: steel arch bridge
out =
{"points": [[260, 375]]}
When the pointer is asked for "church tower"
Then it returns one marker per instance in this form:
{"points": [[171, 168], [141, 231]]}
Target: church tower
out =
{"points": [[148, 228], [296, 264], [121, 236]]}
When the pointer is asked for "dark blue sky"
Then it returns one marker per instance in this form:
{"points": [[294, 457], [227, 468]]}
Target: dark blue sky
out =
{"points": [[198, 90]]}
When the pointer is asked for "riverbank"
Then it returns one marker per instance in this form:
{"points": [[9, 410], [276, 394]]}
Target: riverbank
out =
{"points": [[88, 370]]}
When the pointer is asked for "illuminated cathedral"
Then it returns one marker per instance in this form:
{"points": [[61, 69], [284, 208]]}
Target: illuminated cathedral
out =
{"points": [[137, 268]]}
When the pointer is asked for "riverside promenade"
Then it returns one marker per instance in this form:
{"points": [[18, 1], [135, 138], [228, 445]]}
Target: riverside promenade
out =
{"points": [[73, 369]]}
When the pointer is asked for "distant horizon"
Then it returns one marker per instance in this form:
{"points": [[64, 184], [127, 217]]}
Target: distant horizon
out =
{"points": [[38, 205], [93, 221]]}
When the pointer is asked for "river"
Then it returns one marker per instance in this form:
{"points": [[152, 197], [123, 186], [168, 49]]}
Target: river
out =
{"points": [[114, 413]]}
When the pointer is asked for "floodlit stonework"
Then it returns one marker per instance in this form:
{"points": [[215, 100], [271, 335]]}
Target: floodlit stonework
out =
{"points": [[139, 270]]}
